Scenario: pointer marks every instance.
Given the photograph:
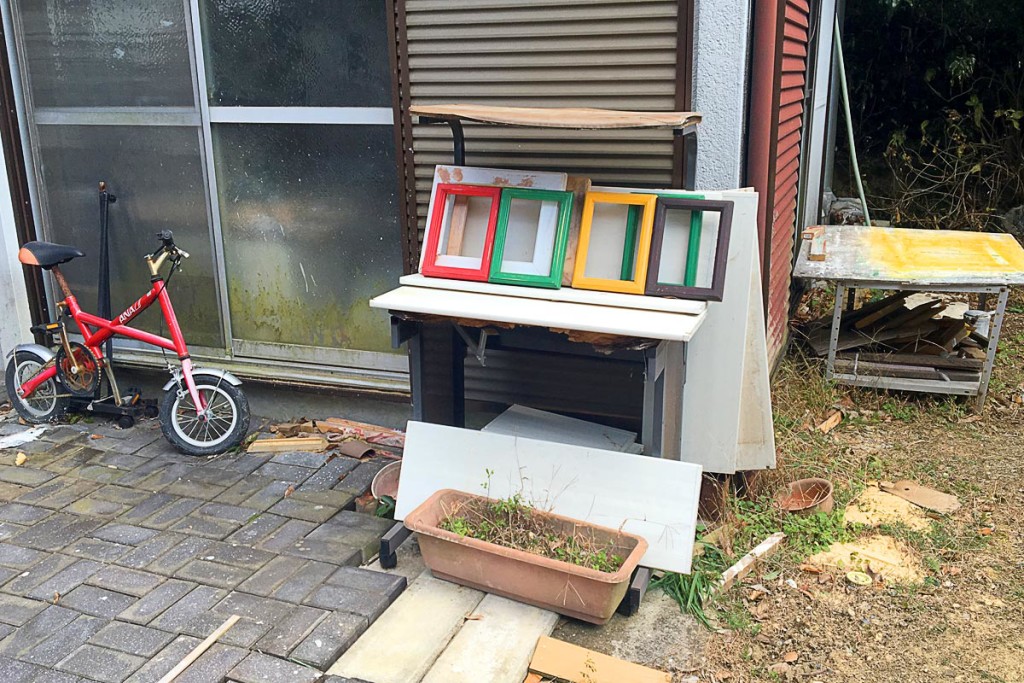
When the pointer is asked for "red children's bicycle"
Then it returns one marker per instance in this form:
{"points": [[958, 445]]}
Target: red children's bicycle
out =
{"points": [[203, 411]]}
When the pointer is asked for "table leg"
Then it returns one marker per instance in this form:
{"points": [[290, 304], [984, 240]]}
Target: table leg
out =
{"points": [[993, 343], [437, 375], [664, 375], [833, 339]]}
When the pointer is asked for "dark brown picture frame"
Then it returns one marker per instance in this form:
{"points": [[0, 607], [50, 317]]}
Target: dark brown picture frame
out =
{"points": [[715, 291]]}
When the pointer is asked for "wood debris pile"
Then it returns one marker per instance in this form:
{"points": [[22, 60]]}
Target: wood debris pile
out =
{"points": [[891, 338], [354, 439]]}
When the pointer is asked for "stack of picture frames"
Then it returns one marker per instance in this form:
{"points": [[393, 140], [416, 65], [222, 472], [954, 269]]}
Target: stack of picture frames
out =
{"points": [[539, 229]]}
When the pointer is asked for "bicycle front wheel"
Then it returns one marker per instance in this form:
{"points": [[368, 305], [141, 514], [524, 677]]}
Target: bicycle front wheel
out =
{"points": [[221, 427]]}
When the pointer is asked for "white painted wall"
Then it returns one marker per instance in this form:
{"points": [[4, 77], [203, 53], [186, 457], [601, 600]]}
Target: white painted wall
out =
{"points": [[14, 313], [720, 90]]}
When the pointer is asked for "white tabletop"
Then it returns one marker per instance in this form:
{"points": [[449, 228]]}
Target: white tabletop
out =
{"points": [[525, 306]]}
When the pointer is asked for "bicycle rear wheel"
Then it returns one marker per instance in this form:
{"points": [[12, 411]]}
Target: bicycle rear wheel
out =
{"points": [[221, 427], [48, 402]]}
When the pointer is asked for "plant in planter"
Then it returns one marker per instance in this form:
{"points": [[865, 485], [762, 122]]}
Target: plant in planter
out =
{"points": [[509, 548]]}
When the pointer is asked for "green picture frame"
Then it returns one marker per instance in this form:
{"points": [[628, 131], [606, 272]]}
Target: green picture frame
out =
{"points": [[529, 248]]}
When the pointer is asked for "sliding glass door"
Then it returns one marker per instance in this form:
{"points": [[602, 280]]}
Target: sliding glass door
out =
{"points": [[260, 131]]}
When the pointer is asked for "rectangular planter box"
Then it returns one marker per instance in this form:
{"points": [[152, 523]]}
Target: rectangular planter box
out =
{"points": [[562, 587]]}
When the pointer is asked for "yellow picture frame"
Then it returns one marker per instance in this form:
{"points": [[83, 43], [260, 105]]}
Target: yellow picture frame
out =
{"points": [[636, 245]]}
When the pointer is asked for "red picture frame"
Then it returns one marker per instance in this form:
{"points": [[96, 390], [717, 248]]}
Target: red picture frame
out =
{"points": [[431, 266]]}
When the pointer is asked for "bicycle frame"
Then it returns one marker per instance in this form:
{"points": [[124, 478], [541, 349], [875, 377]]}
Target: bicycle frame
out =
{"points": [[96, 330]]}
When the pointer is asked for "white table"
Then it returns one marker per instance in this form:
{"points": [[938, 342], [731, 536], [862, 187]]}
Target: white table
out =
{"points": [[435, 317]]}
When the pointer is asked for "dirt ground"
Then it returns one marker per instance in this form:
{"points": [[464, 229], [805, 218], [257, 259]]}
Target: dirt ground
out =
{"points": [[965, 620]]}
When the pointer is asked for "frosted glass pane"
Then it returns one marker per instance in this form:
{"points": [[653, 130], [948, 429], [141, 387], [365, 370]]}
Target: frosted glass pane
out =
{"points": [[107, 53], [156, 174], [309, 53], [310, 221]]}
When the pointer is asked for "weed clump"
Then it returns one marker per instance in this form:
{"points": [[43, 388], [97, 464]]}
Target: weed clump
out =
{"points": [[513, 523]]}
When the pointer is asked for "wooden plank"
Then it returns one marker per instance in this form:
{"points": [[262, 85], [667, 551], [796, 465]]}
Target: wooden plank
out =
{"points": [[817, 250], [552, 314], [887, 370], [575, 296], [565, 661], [897, 256], [199, 649], [914, 359], [309, 444], [746, 563], [402, 645], [579, 186], [457, 226], [495, 645], [578, 118], [650, 497], [922, 496], [887, 306], [909, 316], [544, 426]]}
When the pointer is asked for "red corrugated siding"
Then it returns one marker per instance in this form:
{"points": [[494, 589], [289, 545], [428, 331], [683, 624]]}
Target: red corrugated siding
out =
{"points": [[777, 108]]}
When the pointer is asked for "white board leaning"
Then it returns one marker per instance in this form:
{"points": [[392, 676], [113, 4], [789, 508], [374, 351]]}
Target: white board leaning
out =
{"points": [[650, 497]]}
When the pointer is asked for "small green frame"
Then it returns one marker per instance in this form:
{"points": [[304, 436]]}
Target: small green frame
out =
{"points": [[551, 235]]}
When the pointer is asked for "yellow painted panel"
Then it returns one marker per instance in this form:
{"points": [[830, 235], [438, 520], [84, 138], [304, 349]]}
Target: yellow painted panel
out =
{"points": [[938, 253]]}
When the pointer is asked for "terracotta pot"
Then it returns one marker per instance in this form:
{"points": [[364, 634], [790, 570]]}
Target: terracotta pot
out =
{"points": [[385, 482], [562, 587], [807, 496]]}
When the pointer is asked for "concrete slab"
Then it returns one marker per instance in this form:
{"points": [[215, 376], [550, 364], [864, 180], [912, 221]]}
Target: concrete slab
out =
{"points": [[402, 645], [496, 646], [659, 635]]}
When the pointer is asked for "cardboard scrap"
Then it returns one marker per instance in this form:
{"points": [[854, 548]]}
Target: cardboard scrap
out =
{"points": [[877, 555], [558, 659], [928, 498], [874, 507]]}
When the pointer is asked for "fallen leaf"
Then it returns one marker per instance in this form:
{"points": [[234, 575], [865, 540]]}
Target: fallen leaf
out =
{"points": [[723, 675], [56, 597], [95, 436], [985, 531], [289, 491], [790, 657], [20, 459], [809, 568], [474, 617]]}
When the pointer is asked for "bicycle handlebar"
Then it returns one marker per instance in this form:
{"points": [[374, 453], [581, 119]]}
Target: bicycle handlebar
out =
{"points": [[166, 237]]}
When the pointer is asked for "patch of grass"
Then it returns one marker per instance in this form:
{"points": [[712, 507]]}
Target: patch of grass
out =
{"points": [[900, 410], [693, 590]]}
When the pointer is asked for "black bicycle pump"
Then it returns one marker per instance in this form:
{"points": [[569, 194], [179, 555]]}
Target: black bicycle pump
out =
{"points": [[103, 291]]}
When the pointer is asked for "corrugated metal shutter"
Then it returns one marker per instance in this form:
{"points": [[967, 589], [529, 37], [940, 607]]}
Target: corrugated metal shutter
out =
{"points": [[776, 128], [793, 65], [616, 54], [553, 53]]}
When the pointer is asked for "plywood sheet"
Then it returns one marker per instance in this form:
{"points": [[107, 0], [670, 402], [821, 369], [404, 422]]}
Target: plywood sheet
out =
{"points": [[554, 314], [578, 118], [654, 498], [544, 426], [898, 256]]}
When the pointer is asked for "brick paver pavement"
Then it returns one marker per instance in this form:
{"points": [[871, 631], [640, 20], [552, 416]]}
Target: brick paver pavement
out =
{"points": [[118, 555]]}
